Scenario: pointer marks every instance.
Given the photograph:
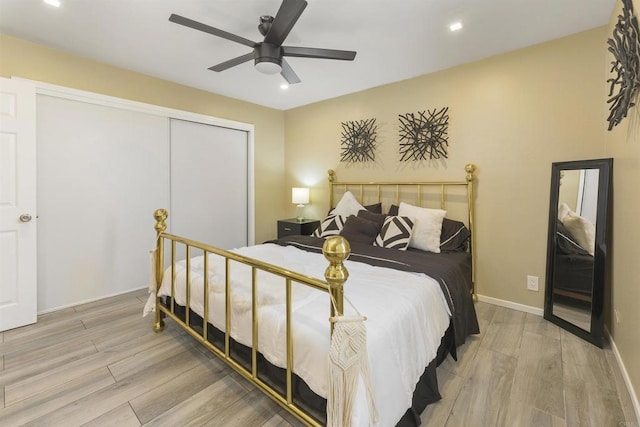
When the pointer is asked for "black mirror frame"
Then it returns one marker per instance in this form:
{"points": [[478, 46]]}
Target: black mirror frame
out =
{"points": [[600, 262]]}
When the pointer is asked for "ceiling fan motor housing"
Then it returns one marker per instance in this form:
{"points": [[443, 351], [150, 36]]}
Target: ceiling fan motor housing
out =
{"points": [[268, 58]]}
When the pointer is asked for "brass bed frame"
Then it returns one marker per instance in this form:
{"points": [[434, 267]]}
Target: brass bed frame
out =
{"points": [[336, 249]]}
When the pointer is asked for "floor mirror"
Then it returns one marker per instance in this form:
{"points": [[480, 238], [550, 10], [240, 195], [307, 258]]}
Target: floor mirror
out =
{"points": [[577, 245]]}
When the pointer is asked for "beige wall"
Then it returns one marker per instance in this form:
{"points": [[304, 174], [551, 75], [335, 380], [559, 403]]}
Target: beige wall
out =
{"points": [[28, 60], [512, 115], [623, 144]]}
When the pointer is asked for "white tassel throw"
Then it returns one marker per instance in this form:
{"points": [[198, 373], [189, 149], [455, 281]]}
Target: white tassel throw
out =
{"points": [[348, 361]]}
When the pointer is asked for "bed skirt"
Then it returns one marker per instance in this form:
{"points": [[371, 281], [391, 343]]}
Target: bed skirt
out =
{"points": [[425, 393]]}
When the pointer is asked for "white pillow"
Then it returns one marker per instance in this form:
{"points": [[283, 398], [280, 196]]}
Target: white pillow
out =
{"points": [[563, 210], [582, 230], [348, 205], [427, 226]]}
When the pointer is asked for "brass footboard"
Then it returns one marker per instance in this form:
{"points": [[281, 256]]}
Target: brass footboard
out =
{"points": [[336, 249]]}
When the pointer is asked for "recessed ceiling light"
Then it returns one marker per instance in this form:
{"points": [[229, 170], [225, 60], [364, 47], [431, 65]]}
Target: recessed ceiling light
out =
{"points": [[284, 86], [54, 3], [455, 26]]}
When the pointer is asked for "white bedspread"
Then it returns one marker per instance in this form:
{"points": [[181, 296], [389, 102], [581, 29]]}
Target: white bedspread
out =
{"points": [[407, 316]]}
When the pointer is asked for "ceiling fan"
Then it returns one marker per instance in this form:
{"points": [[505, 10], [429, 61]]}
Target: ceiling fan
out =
{"points": [[268, 55]]}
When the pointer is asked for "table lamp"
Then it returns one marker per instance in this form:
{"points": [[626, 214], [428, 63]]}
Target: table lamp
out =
{"points": [[300, 197]]}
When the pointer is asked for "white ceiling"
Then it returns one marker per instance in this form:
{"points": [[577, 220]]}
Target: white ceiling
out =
{"points": [[395, 40]]}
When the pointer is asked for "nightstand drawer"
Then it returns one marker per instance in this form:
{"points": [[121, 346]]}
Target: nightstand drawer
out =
{"points": [[293, 227]]}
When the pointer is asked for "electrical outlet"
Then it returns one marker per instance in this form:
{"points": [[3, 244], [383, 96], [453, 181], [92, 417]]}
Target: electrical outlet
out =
{"points": [[617, 314], [532, 283]]}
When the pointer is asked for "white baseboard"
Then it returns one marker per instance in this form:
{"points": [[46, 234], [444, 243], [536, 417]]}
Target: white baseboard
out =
{"points": [[513, 305], [540, 312], [627, 380], [49, 310]]}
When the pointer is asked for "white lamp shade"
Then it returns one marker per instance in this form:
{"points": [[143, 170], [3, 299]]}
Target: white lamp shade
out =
{"points": [[300, 196]]}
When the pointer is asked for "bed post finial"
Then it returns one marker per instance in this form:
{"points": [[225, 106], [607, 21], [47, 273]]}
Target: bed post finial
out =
{"points": [[160, 215], [332, 178], [336, 249], [470, 168]]}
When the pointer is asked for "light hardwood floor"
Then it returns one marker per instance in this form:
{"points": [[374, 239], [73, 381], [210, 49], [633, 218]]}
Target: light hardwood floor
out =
{"points": [[100, 364]]}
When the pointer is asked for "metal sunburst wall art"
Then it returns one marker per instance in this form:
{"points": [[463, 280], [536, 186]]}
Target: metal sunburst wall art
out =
{"points": [[424, 137], [625, 47], [359, 141]]}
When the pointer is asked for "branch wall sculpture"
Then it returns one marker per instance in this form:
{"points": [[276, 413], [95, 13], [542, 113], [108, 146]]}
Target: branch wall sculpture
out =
{"points": [[358, 141], [424, 136], [625, 47]]}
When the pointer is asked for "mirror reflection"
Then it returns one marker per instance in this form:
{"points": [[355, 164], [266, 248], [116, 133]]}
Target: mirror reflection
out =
{"points": [[575, 246]]}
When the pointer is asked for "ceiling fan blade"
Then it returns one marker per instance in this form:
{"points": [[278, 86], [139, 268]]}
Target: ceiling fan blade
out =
{"points": [[287, 72], [211, 30], [312, 52], [232, 62], [286, 18]]}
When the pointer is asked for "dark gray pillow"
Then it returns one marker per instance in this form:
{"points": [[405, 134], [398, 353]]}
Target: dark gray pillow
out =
{"points": [[359, 230], [375, 208], [454, 236], [371, 216]]}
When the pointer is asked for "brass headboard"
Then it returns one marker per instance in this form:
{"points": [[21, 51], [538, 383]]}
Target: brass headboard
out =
{"points": [[378, 188]]}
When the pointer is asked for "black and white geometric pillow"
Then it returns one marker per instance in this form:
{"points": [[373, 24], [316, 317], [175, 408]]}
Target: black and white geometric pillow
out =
{"points": [[330, 226], [395, 233]]}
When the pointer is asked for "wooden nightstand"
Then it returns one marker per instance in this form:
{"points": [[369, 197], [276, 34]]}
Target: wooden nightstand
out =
{"points": [[293, 227]]}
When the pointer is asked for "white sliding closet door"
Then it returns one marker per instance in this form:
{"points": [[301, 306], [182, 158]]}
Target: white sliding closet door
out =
{"points": [[209, 176], [102, 171]]}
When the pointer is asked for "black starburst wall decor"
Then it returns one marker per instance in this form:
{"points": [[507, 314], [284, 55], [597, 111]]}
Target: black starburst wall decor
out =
{"points": [[424, 136], [359, 141], [625, 47]]}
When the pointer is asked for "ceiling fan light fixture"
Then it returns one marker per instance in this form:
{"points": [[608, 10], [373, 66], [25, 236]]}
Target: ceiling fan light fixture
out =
{"points": [[268, 66]]}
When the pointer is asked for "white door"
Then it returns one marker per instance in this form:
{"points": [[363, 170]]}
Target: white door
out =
{"points": [[18, 286]]}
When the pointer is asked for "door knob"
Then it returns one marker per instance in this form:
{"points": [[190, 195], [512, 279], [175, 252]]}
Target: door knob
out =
{"points": [[25, 218]]}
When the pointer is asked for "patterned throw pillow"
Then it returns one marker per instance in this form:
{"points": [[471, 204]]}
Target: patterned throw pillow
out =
{"points": [[330, 226], [395, 233]]}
